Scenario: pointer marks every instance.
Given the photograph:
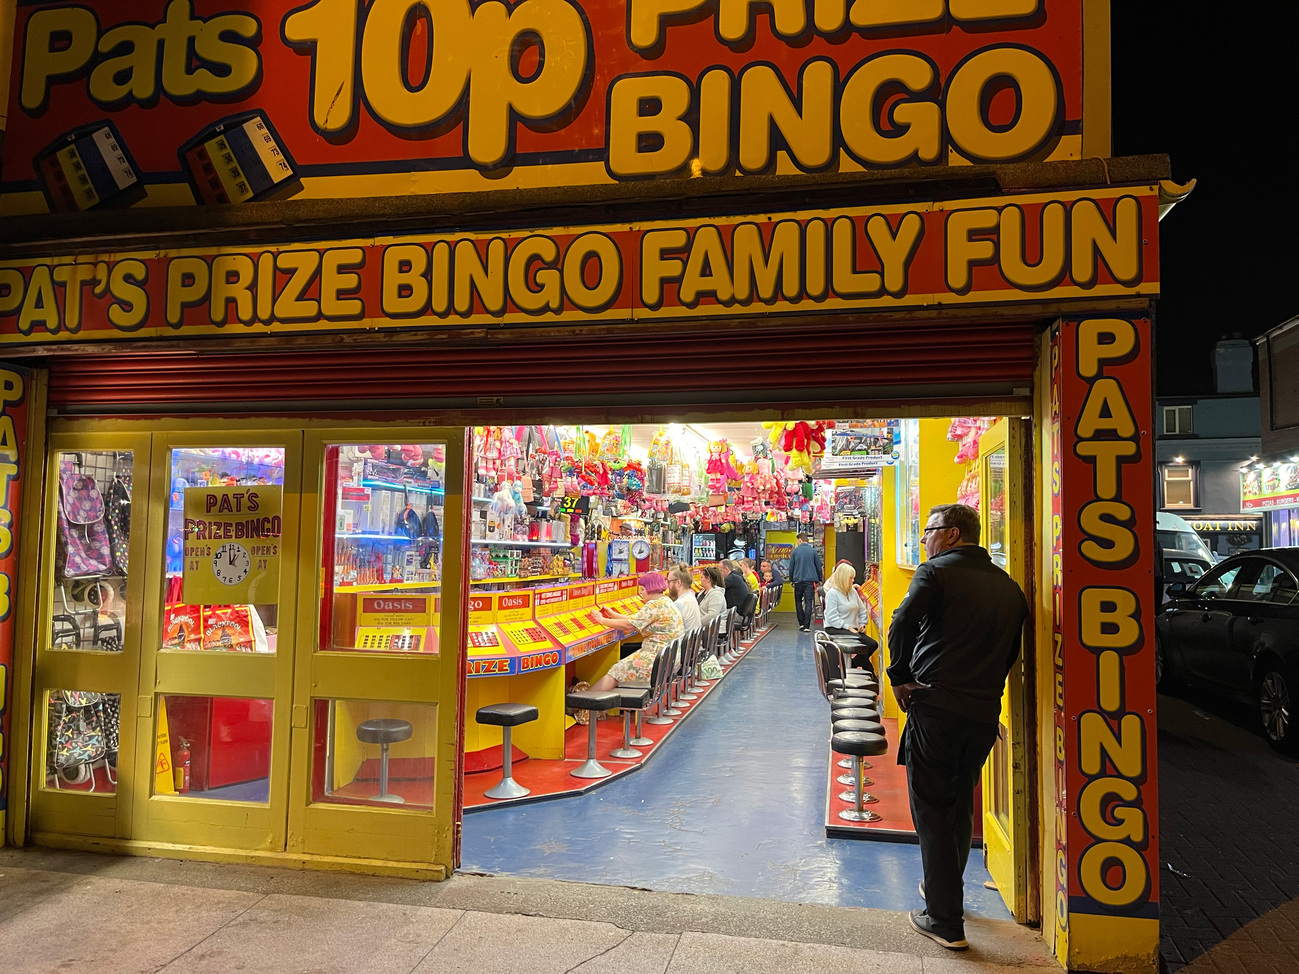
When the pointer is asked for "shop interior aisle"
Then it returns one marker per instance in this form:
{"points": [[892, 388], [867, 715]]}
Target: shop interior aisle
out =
{"points": [[734, 805]]}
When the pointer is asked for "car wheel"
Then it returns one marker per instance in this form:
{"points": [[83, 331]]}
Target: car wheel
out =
{"points": [[1273, 693]]}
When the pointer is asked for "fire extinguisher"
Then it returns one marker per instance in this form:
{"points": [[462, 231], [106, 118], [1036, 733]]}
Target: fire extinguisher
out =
{"points": [[182, 768]]}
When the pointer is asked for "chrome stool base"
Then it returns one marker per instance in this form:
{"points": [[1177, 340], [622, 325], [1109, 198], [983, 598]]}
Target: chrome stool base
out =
{"points": [[852, 815], [507, 788]]}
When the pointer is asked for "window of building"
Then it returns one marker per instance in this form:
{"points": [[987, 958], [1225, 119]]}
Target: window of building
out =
{"points": [[1179, 486], [1177, 421]]}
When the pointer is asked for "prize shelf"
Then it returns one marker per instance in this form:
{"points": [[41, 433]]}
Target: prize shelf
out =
{"points": [[521, 544], [528, 578], [390, 586]]}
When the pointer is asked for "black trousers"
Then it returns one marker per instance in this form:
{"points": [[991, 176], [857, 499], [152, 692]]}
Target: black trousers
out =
{"points": [[944, 755], [805, 602], [860, 660]]}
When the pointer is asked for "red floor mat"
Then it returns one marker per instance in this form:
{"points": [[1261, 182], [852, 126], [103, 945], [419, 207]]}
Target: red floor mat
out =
{"points": [[551, 779]]}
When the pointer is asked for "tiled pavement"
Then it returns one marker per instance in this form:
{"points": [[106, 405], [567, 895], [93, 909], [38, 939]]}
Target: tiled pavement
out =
{"points": [[1229, 825]]}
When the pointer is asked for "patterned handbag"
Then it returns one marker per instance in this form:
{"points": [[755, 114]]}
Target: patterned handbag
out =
{"points": [[117, 516], [76, 728], [83, 548]]}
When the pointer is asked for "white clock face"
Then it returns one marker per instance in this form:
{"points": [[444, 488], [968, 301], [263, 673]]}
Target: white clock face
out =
{"points": [[640, 548], [231, 563]]}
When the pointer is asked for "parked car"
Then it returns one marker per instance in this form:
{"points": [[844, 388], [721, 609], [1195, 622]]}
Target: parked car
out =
{"points": [[1177, 566], [1236, 628]]}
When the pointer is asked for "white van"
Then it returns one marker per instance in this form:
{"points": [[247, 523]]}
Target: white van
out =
{"points": [[1172, 532]]}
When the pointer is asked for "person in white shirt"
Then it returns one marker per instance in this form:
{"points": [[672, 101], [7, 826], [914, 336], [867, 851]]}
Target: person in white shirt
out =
{"points": [[681, 591], [846, 614]]}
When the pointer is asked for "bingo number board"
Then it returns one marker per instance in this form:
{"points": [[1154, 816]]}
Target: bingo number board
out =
{"points": [[393, 639], [527, 636], [484, 638]]}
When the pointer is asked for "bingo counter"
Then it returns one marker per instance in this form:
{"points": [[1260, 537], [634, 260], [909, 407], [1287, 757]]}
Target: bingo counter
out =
{"points": [[528, 646]]}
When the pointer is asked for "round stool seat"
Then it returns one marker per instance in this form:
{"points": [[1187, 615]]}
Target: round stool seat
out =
{"points": [[861, 726], [853, 683], [853, 703], [506, 714], [841, 694], [858, 743], [856, 713], [383, 730], [592, 699]]}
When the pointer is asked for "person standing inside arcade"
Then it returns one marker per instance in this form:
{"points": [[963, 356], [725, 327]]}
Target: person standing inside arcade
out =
{"points": [[953, 641], [805, 573], [735, 587]]}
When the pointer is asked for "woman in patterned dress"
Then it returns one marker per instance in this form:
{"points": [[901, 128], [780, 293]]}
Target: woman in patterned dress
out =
{"points": [[658, 622]]}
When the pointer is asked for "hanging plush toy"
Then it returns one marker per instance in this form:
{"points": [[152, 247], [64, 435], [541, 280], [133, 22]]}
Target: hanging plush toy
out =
{"points": [[716, 467], [728, 464]]}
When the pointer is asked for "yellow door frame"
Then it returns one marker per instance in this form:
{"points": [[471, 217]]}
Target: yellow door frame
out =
{"points": [[1006, 850], [295, 663]]}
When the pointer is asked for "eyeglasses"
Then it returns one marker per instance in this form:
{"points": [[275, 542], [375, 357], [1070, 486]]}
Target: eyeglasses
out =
{"points": [[936, 527]]}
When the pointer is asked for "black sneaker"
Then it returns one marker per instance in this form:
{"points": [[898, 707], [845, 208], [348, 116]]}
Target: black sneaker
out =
{"points": [[922, 925]]}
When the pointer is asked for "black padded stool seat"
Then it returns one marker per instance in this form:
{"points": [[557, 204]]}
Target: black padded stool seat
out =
{"points": [[869, 726], [838, 694], [850, 703], [630, 700], [855, 713], [592, 700], [384, 731], [507, 716], [853, 682], [858, 744]]}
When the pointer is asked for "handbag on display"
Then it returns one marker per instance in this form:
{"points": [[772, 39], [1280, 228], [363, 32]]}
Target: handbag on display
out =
{"points": [[117, 516], [82, 547]]}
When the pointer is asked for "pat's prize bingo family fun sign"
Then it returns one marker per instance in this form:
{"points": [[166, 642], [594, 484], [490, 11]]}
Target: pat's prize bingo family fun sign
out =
{"points": [[195, 102]]}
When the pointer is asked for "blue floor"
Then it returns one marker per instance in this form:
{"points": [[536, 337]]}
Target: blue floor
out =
{"points": [[734, 804]]}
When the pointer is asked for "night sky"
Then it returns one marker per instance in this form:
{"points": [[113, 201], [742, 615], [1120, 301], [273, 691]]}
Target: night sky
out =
{"points": [[1220, 96]]}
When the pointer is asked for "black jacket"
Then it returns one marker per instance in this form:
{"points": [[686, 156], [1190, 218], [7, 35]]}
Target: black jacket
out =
{"points": [[737, 590], [958, 631]]}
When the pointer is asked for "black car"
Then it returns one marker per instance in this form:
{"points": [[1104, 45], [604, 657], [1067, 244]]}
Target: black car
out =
{"points": [[1175, 565], [1237, 629]]}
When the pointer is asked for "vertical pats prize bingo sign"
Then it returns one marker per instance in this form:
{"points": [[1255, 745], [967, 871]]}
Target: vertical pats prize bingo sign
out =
{"points": [[13, 436], [232, 545]]}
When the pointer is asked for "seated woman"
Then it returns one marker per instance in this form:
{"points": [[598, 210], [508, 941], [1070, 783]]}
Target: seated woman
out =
{"points": [[846, 614], [658, 622], [712, 596]]}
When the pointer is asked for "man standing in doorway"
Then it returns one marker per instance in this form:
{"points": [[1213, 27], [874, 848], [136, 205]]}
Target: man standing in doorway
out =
{"points": [[805, 573], [953, 641]]}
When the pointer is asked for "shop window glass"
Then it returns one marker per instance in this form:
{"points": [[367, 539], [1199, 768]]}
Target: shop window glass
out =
{"points": [[383, 547], [214, 748], [223, 550], [996, 514], [908, 494], [374, 752], [92, 551], [1217, 584], [81, 741]]}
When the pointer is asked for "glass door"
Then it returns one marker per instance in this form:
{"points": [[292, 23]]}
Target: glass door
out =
{"points": [[1005, 794], [89, 634], [376, 751], [220, 587]]}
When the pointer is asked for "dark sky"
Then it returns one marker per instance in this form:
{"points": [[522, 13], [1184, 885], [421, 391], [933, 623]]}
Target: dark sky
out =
{"points": [[1220, 96]]}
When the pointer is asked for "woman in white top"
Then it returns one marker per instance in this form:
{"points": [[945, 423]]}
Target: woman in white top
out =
{"points": [[712, 597], [846, 614]]}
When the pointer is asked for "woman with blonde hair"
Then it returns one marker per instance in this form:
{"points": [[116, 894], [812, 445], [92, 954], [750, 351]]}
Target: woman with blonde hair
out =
{"points": [[846, 614]]}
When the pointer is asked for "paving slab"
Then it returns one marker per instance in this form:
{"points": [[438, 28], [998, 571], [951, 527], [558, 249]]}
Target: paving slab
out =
{"points": [[644, 953], [113, 926], [492, 944], [21, 888], [710, 953], [312, 935]]}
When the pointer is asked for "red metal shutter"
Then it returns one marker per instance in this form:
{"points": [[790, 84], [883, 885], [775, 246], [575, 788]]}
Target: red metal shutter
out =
{"points": [[829, 360]]}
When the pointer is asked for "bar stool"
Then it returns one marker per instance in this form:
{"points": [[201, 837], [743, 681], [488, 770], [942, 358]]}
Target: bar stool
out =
{"points": [[664, 671], [634, 700], [384, 731], [507, 716], [673, 708], [690, 647], [858, 744], [594, 701], [864, 726]]}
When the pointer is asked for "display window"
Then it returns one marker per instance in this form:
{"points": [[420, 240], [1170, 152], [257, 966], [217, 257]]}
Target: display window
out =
{"points": [[223, 550], [382, 541], [214, 747], [908, 494], [374, 752], [81, 740]]}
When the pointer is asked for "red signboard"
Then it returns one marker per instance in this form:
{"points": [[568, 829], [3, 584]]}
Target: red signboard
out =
{"points": [[212, 101], [13, 448], [1104, 618]]}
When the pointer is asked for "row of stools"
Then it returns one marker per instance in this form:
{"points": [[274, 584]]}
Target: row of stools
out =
{"points": [[857, 730], [676, 680]]}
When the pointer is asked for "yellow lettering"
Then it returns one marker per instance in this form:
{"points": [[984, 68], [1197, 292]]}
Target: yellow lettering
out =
{"points": [[1106, 457], [487, 279], [895, 251], [964, 250], [602, 249], [291, 305], [73, 277], [1129, 823], [1037, 92], [1109, 618], [130, 307], [707, 270], [807, 131], [655, 268], [1094, 240], [232, 281], [645, 19], [754, 266], [187, 285], [60, 42], [1109, 681], [673, 138], [735, 18], [1110, 539], [1050, 266], [383, 66], [547, 296], [1097, 741], [1096, 861], [337, 278], [1106, 409], [915, 128], [848, 281]]}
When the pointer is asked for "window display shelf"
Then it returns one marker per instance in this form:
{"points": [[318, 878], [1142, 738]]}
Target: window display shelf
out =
{"points": [[413, 488], [521, 544], [379, 537], [389, 587], [523, 578]]}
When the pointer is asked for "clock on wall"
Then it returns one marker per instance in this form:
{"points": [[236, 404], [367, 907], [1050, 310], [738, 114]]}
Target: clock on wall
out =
{"points": [[231, 563], [640, 548]]}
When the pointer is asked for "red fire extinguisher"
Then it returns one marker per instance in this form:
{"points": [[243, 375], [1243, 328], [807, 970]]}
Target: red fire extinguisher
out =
{"points": [[182, 768]]}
